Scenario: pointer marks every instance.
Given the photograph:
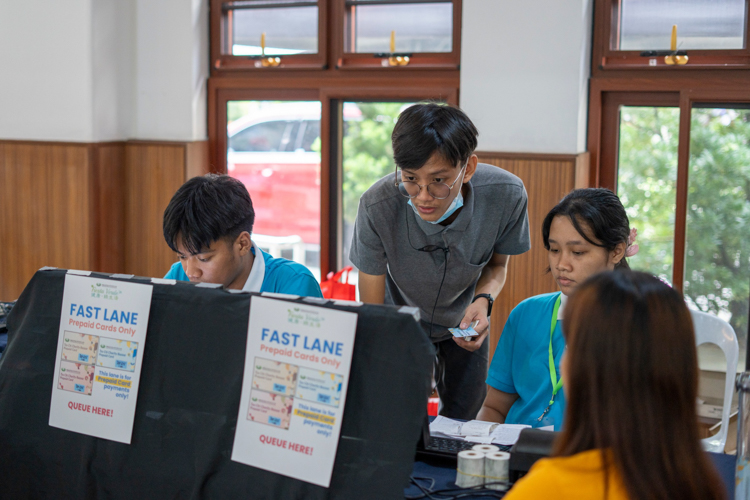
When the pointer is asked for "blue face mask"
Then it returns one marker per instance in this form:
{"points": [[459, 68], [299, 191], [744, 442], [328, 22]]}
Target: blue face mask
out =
{"points": [[457, 203]]}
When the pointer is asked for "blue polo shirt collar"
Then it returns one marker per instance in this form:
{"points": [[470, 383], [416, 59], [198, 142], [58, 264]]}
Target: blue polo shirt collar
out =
{"points": [[257, 272]]}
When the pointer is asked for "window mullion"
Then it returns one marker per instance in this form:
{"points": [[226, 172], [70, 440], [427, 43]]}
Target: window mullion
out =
{"points": [[683, 167]]}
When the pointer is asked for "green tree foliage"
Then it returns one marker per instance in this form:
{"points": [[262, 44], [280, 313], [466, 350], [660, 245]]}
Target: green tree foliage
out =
{"points": [[367, 151], [646, 183], [717, 270], [238, 109]]}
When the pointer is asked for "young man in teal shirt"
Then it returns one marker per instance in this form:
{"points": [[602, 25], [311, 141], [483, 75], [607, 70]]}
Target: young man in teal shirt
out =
{"points": [[208, 223]]}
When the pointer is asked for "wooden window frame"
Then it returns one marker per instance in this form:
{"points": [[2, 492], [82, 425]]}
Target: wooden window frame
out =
{"points": [[367, 60], [219, 109], [331, 179], [222, 61], [315, 78], [604, 132], [604, 58], [328, 87]]}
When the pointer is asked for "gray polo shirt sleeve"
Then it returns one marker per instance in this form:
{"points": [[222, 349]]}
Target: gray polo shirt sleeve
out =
{"points": [[367, 252], [514, 239]]}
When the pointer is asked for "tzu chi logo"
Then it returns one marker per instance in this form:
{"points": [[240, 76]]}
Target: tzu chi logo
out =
{"points": [[107, 292], [306, 317]]}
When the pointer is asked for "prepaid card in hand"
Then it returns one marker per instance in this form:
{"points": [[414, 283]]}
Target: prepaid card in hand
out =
{"points": [[294, 388], [99, 352]]}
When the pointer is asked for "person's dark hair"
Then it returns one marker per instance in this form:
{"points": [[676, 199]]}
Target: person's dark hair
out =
{"points": [[426, 128], [206, 209], [601, 211], [631, 386]]}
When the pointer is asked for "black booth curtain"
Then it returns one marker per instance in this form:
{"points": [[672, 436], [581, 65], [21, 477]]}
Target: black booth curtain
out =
{"points": [[188, 402]]}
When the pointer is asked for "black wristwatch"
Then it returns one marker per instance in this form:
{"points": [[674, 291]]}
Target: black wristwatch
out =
{"points": [[490, 300]]}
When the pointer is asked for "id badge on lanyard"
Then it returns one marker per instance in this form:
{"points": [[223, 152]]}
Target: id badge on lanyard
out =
{"points": [[556, 384]]}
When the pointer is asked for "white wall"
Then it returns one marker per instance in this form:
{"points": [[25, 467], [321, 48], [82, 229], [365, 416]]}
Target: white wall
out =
{"points": [[45, 81], [200, 63], [103, 70], [113, 69], [171, 68], [524, 73]]}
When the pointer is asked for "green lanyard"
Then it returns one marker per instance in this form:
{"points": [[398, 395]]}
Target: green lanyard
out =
{"points": [[556, 384]]}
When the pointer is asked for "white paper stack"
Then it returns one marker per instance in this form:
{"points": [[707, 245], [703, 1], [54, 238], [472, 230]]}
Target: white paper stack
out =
{"points": [[477, 431]]}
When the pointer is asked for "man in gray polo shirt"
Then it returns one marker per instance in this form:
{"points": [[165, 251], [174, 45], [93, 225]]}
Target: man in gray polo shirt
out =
{"points": [[437, 235]]}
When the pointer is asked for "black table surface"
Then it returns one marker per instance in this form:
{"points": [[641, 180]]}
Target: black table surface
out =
{"points": [[443, 472]]}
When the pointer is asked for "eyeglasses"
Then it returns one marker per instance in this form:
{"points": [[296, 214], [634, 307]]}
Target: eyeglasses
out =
{"points": [[438, 190]]}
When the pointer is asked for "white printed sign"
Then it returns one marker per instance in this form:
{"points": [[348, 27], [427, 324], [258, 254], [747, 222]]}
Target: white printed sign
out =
{"points": [[294, 388], [99, 353]]}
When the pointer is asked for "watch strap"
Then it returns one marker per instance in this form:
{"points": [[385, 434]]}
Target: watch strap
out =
{"points": [[489, 298]]}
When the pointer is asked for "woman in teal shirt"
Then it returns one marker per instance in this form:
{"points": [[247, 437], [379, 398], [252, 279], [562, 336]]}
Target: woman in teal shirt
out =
{"points": [[586, 233]]}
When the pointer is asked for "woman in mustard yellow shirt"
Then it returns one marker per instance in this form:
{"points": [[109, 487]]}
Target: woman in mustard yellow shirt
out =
{"points": [[631, 373]]}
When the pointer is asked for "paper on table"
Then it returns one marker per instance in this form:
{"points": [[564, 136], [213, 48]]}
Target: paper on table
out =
{"points": [[477, 428], [479, 439], [550, 428], [507, 433], [477, 431], [445, 426]]}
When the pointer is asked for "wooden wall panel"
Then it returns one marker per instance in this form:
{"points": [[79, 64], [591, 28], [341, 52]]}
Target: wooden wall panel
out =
{"points": [[109, 215], [88, 206], [45, 209], [197, 161], [582, 165], [153, 172], [547, 179]]}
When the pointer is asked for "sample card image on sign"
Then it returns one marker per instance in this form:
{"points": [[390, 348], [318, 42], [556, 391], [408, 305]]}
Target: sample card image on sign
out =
{"points": [[275, 376], [270, 409], [76, 377], [319, 386], [297, 365], [79, 347], [99, 356], [118, 354]]}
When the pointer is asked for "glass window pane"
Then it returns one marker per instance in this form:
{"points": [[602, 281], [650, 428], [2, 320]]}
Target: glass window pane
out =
{"points": [[267, 136], [289, 30], [310, 137], [646, 182], [264, 139], [368, 156], [717, 260], [425, 27], [701, 24]]}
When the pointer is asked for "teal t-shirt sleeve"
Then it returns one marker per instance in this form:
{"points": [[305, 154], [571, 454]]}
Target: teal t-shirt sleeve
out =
{"points": [[308, 286], [500, 374], [176, 272], [291, 278]]}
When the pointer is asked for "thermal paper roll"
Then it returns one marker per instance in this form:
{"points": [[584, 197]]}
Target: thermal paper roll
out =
{"points": [[496, 469], [470, 471]]}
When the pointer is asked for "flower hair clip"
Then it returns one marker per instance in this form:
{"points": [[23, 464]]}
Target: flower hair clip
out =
{"points": [[632, 245]]}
